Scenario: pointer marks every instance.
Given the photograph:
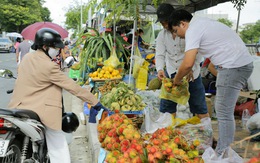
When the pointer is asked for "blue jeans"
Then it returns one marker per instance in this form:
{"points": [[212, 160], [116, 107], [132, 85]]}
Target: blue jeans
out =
{"points": [[229, 83], [197, 100]]}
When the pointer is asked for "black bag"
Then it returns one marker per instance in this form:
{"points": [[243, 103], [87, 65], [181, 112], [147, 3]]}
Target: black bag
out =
{"points": [[209, 82]]}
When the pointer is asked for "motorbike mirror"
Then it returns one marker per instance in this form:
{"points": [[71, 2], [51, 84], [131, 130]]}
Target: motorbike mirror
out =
{"points": [[5, 73], [68, 62]]}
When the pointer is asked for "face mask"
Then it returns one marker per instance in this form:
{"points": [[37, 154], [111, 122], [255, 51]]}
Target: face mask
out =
{"points": [[53, 52]]}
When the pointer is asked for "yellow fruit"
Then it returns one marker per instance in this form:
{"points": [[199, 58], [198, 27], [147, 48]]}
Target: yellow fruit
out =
{"points": [[95, 74], [100, 75], [105, 68], [110, 69], [102, 72], [100, 59], [114, 73], [169, 84], [150, 56], [99, 69], [196, 143], [75, 66]]}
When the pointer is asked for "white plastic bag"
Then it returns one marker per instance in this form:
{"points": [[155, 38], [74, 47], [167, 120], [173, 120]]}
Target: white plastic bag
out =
{"points": [[202, 132], [253, 122], [245, 117], [155, 120], [228, 156]]}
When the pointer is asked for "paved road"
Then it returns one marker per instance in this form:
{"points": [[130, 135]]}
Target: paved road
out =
{"points": [[7, 61]]}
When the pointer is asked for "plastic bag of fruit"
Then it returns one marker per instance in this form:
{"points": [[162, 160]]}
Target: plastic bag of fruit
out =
{"points": [[179, 94], [142, 77], [138, 62], [112, 60], [199, 131]]}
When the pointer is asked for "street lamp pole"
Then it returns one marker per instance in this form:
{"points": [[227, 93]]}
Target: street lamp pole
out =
{"points": [[80, 15], [238, 18]]}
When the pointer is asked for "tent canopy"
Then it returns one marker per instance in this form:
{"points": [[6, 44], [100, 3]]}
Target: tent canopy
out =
{"points": [[189, 5]]}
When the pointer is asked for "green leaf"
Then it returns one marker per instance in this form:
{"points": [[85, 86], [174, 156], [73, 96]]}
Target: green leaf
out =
{"points": [[106, 39]]}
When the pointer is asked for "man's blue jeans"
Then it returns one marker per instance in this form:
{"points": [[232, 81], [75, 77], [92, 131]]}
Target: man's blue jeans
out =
{"points": [[229, 83]]}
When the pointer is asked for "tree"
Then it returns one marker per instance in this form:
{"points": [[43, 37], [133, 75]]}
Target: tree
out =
{"points": [[45, 14], [226, 22], [238, 4], [73, 16], [15, 15], [251, 33], [116, 8]]}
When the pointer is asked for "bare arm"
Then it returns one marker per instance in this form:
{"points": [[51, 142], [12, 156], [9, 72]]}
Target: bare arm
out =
{"points": [[186, 66], [212, 69]]}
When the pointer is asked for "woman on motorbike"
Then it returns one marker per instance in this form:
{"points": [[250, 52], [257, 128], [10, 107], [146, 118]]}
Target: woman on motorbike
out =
{"points": [[39, 88]]}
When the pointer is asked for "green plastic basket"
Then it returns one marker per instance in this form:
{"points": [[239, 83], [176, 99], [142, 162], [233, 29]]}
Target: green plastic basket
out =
{"points": [[74, 74]]}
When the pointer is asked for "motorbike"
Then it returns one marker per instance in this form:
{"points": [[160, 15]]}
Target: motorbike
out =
{"points": [[22, 135]]}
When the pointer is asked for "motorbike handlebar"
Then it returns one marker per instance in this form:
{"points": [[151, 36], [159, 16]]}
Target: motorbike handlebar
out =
{"points": [[9, 91]]}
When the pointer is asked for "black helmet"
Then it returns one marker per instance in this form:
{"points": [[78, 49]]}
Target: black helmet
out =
{"points": [[70, 122], [164, 11], [48, 37]]}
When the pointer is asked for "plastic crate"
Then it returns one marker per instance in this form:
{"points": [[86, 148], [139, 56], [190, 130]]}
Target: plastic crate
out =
{"points": [[74, 74], [99, 83], [128, 112]]}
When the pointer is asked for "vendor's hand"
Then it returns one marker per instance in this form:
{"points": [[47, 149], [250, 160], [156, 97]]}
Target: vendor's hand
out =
{"points": [[176, 82], [94, 111], [99, 106], [190, 76], [161, 74], [92, 116]]}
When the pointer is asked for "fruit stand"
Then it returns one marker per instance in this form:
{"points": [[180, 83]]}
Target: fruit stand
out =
{"points": [[122, 135], [119, 136]]}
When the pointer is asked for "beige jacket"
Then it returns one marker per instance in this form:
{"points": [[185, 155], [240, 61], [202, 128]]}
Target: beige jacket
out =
{"points": [[39, 88]]}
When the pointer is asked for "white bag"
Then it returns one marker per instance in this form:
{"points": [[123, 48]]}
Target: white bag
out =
{"points": [[155, 120], [202, 132], [228, 156], [253, 122]]}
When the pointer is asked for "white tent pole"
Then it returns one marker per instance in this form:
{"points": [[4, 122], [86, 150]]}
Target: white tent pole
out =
{"points": [[114, 30], [132, 50], [89, 17]]}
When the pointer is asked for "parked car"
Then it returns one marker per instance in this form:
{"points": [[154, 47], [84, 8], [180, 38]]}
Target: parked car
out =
{"points": [[5, 44]]}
